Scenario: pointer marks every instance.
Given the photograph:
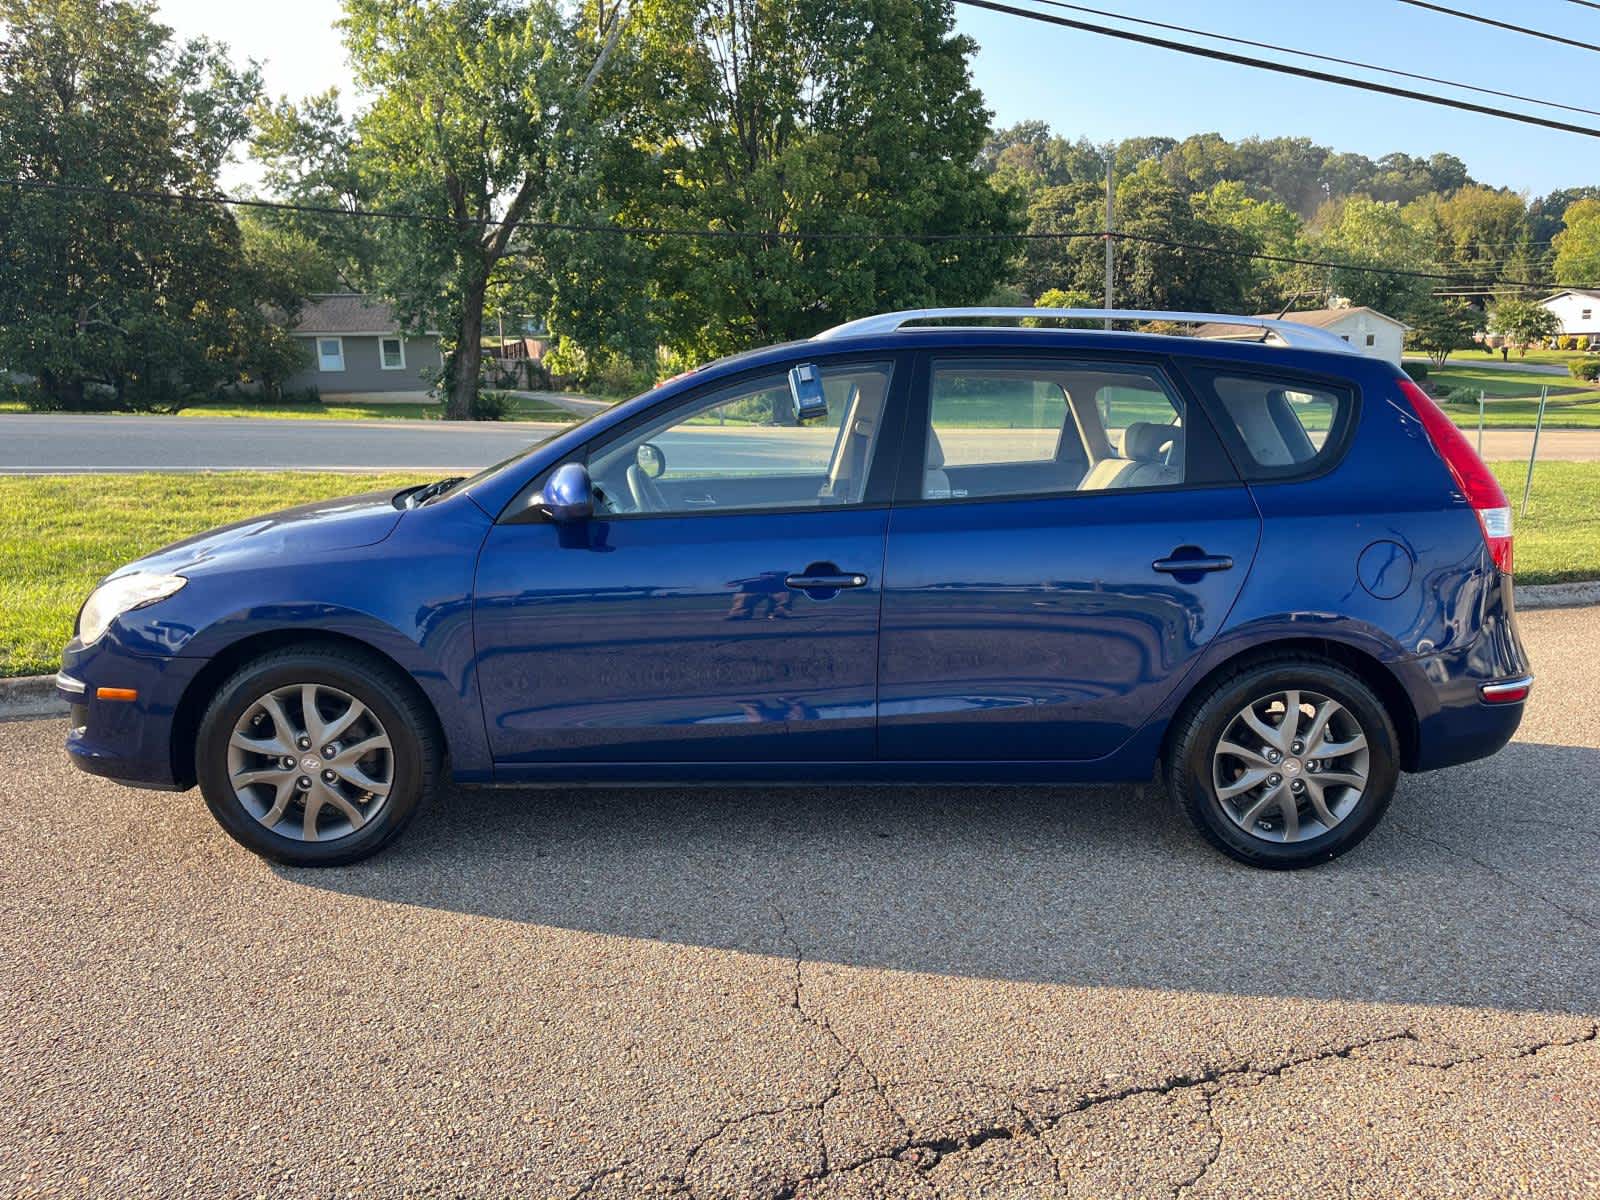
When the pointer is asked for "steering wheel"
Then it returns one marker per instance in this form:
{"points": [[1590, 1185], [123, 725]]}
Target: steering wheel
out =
{"points": [[646, 495]]}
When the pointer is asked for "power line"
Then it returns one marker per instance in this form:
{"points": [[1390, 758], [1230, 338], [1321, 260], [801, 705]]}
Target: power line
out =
{"points": [[1343, 62], [1585, 3], [1482, 20], [647, 231], [1241, 60]]}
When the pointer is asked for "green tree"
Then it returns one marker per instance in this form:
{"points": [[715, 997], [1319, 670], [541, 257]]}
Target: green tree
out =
{"points": [[1440, 327], [105, 297], [310, 156], [1577, 246], [482, 119], [848, 117], [1372, 235], [1523, 322], [1268, 227]]}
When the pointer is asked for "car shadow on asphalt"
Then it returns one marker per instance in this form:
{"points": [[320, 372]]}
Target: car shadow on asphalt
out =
{"points": [[1481, 887]]}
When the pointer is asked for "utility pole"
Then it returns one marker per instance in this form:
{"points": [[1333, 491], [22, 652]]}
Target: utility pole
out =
{"points": [[1111, 191]]}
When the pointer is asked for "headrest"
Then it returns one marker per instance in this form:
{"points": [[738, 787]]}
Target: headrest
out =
{"points": [[1142, 441], [935, 458]]}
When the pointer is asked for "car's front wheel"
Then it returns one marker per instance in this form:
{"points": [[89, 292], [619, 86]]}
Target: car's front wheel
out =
{"points": [[1285, 763], [316, 756]]}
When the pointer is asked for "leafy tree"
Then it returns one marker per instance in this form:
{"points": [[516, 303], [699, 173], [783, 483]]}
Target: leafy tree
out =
{"points": [[1479, 234], [1439, 327], [1545, 213], [849, 117], [1577, 246], [1373, 235], [1268, 227], [310, 155], [482, 118], [1178, 267], [1522, 322], [104, 297]]}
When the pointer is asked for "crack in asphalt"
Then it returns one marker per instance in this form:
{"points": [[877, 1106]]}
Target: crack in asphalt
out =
{"points": [[924, 1154], [1497, 872]]}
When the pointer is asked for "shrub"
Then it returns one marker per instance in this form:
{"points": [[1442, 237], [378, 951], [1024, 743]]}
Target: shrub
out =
{"points": [[1418, 371], [492, 406], [1587, 369]]}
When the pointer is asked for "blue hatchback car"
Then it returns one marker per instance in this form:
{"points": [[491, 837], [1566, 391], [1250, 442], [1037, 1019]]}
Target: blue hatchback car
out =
{"points": [[1254, 563]]}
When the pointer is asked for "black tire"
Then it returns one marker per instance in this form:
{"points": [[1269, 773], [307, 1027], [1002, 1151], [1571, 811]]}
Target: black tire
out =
{"points": [[414, 749], [1199, 730]]}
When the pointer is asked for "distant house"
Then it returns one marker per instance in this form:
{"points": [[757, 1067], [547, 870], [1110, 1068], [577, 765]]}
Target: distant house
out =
{"points": [[1578, 310], [1367, 329], [355, 346]]}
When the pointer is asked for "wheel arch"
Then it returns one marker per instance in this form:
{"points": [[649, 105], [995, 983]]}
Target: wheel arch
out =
{"points": [[1371, 670], [197, 696]]}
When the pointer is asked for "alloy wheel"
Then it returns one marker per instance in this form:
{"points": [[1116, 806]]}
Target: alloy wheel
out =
{"points": [[310, 762], [1290, 766]]}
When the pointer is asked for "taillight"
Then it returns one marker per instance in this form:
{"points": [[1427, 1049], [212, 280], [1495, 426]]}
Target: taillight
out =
{"points": [[1477, 483]]}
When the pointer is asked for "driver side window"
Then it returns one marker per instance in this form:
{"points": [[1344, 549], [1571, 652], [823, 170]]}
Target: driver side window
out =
{"points": [[740, 448]]}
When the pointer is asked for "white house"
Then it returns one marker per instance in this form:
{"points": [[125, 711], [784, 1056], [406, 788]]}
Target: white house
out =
{"points": [[1578, 310], [1367, 329]]}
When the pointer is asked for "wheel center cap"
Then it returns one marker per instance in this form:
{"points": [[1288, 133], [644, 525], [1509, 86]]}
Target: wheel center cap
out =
{"points": [[310, 763], [1291, 766]]}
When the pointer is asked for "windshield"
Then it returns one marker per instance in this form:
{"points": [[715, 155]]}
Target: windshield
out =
{"points": [[495, 469]]}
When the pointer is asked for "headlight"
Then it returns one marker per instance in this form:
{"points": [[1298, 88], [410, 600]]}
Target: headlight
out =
{"points": [[117, 596]]}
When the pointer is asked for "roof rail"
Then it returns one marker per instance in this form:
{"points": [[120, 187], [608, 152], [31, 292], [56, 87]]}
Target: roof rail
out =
{"points": [[1289, 333]]}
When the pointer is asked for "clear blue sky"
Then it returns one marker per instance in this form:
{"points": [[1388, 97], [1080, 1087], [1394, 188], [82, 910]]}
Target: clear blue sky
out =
{"points": [[1082, 83], [1103, 89]]}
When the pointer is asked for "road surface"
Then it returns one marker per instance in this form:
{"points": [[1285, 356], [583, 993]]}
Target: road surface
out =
{"points": [[43, 444], [811, 992]]}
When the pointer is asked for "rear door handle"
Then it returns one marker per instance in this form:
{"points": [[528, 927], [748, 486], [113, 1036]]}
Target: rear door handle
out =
{"points": [[1199, 564], [808, 583]]}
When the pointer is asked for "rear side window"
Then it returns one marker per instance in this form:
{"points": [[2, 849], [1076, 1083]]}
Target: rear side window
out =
{"points": [[1282, 427]]}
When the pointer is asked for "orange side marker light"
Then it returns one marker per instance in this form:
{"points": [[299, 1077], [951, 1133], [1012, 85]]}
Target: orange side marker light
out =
{"points": [[116, 693]]}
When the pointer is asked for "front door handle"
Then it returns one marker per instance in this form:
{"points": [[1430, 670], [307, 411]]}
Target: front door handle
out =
{"points": [[1191, 560], [810, 583]]}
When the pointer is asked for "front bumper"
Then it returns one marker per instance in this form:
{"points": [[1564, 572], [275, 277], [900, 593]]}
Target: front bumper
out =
{"points": [[129, 740]]}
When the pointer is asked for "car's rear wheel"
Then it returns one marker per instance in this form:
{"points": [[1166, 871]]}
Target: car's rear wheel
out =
{"points": [[1285, 763], [316, 756]]}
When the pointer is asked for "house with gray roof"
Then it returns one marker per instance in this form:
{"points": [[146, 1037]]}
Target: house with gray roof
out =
{"points": [[1368, 330], [355, 347]]}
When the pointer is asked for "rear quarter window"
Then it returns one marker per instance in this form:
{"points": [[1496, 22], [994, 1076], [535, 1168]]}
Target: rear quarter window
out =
{"points": [[1280, 426]]}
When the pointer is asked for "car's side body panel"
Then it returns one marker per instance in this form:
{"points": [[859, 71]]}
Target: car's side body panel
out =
{"points": [[404, 597], [677, 638]]}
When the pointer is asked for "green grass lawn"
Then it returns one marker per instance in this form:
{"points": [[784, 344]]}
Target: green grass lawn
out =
{"points": [[1559, 540], [1512, 398], [60, 534]]}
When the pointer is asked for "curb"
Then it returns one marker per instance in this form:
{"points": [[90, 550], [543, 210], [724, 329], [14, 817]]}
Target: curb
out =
{"points": [[1558, 595], [31, 696], [35, 695]]}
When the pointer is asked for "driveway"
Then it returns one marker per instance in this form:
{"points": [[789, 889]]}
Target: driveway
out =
{"points": [[45, 444], [888, 993]]}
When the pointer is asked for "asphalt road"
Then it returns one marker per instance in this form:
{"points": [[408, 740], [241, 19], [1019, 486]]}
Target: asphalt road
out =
{"points": [[892, 993], [43, 444]]}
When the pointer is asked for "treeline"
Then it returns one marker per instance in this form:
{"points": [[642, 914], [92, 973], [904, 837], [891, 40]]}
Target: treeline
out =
{"points": [[657, 182], [1413, 228]]}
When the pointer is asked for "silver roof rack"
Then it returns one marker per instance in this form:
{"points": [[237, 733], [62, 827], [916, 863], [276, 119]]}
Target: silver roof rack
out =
{"points": [[1289, 333]]}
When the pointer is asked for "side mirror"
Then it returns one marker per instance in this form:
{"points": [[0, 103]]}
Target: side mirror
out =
{"points": [[568, 494], [805, 391], [649, 459]]}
